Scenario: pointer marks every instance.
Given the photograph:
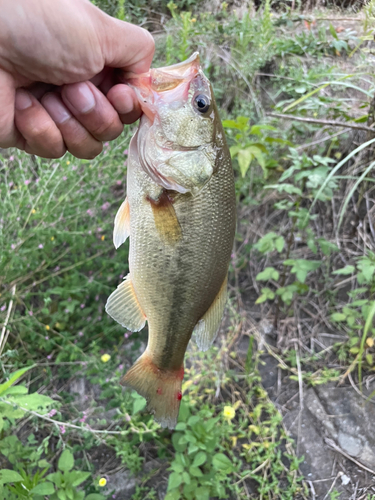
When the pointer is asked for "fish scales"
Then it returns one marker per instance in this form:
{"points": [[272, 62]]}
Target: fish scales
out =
{"points": [[180, 246]]}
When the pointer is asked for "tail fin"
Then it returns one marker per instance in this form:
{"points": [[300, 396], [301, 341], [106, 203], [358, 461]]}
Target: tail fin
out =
{"points": [[161, 388]]}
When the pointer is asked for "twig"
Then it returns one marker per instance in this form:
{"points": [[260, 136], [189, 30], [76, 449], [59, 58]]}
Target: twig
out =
{"points": [[334, 447], [260, 467], [331, 123], [332, 485], [3, 336], [72, 426], [324, 139]]}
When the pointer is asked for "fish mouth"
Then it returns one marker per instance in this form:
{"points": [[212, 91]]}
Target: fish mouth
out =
{"points": [[166, 78], [158, 81]]}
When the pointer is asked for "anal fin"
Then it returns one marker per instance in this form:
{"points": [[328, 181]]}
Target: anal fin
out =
{"points": [[122, 224], [123, 306], [207, 327]]}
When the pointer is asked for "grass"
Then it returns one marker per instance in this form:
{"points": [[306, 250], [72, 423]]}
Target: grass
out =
{"points": [[304, 255]]}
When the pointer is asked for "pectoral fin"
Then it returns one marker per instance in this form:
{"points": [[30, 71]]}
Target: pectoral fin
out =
{"points": [[123, 306], [165, 219], [122, 224], [207, 327]]}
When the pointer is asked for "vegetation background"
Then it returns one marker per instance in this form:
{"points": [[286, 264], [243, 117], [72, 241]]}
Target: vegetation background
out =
{"points": [[295, 86]]}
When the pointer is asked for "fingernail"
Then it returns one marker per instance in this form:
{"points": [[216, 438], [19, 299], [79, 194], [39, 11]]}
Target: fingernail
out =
{"points": [[22, 100], [56, 109], [80, 97]]}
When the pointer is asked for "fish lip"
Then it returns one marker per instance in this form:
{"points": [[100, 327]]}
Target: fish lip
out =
{"points": [[158, 80], [176, 72]]}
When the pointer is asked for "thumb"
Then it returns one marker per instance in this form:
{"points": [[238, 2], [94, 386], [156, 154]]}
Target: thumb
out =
{"points": [[9, 136], [126, 46]]}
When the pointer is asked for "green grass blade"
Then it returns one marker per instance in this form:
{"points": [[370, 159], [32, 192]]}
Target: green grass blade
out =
{"points": [[363, 340], [309, 94], [337, 167], [352, 191]]}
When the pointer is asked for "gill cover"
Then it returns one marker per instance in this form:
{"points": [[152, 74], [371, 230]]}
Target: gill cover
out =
{"points": [[175, 141]]}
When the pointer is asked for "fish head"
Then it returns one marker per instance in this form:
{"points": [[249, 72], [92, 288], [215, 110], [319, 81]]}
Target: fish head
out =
{"points": [[179, 124]]}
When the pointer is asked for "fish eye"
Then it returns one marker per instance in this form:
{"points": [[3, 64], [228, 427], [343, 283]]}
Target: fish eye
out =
{"points": [[201, 103]]}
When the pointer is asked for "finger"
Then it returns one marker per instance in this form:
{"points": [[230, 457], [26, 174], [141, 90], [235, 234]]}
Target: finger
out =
{"points": [[93, 110], [9, 136], [41, 135], [125, 102], [126, 46], [77, 139]]}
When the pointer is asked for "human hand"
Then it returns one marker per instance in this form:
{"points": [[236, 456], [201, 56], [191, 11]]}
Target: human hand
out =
{"points": [[58, 88]]}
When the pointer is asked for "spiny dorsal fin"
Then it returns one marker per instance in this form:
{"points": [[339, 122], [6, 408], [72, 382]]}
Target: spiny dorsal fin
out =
{"points": [[122, 224], [165, 219], [123, 306], [207, 327]]}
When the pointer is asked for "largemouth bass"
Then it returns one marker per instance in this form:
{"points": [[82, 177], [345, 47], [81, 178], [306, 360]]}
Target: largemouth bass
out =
{"points": [[180, 216]]}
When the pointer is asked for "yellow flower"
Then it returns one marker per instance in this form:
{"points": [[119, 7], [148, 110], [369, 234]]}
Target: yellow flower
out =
{"points": [[68, 162], [105, 358], [47, 327], [103, 237], [193, 20], [33, 211], [229, 412], [52, 238], [369, 342], [102, 481]]}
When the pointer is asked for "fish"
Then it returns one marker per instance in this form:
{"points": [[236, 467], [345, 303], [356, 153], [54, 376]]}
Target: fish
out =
{"points": [[180, 217]]}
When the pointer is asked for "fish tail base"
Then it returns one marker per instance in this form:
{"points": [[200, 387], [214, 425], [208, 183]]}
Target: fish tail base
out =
{"points": [[160, 388]]}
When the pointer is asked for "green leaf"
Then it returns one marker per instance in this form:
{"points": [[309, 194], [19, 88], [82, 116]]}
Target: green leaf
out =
{"points": [[43, 489], [179, 447], [61, 494], [186, 477], [203, 493], [244, 158], [302, 267], [77, 477], [195, 471], [9, 476], [172, 495], [222, 463], [327, 247], [33, 402], [139, 404], [181, 426], [175, 479], [338, 317], [333, 31], [199, 459], [267, 294], [95, 496], [345, 270], [267, 274], [279, 244], [15, 390], [66, 461], [13, 378]]}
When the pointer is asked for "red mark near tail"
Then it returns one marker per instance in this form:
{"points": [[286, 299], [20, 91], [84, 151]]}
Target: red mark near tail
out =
{"points": [[159, 390], [179, 395]]}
